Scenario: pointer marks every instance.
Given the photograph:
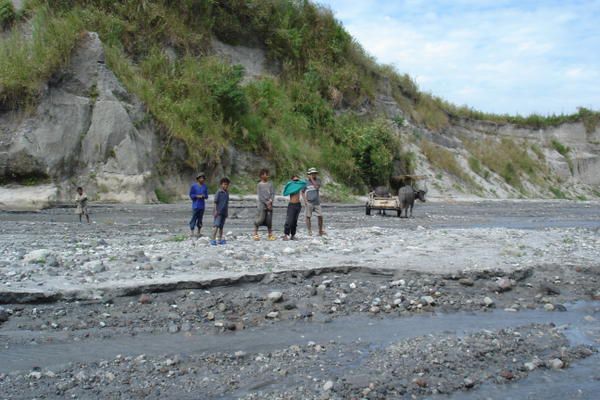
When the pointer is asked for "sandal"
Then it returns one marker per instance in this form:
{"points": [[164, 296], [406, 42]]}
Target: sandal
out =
{"points": [[271, 237], [256, 237]]}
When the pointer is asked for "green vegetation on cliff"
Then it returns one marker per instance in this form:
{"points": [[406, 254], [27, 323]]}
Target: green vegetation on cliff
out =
{"points": [[294, 119]]}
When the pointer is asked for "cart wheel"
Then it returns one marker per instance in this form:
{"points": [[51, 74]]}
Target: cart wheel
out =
{"points": [[368, 210]]}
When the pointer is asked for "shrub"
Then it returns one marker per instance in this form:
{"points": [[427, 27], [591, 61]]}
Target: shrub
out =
{"points": [[508, 159], [374, 147], [445, 160], [27, 63], [559, 194], [590, 119], [163, 196], [560, 148], [7, 14]]}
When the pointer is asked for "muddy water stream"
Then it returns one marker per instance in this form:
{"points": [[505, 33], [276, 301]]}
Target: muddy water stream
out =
{"points": [[373, 332]]}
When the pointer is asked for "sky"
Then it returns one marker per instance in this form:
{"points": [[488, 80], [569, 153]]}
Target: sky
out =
{"points": [[500, 56]]}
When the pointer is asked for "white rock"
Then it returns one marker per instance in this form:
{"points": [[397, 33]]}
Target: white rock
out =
{"points": [[36, 256], [555, 363], [273, 314], [275, 297], [488, 302], [35, 375], [328, 386], [399, 282]]}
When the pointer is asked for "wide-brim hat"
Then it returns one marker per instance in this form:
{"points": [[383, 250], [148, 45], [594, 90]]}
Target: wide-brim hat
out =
{"points": [[312, 171], [200, 174]]}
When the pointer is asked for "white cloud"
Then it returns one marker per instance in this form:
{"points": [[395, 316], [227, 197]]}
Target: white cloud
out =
{"points": [[499, 56]]}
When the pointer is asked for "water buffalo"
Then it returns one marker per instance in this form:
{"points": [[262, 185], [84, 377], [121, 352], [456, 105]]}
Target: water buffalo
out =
{"points": [[407, 196]]}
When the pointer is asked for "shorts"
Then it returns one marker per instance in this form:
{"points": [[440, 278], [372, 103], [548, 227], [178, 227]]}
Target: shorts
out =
{"points": [[264, 217], [219, 221], [310, 208], [82, 210]]}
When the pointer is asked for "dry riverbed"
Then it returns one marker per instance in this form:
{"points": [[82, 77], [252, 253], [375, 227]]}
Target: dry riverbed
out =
{"points": [[459, 299]]}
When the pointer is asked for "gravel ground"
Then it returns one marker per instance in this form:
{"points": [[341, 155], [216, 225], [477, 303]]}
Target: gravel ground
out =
{"points": [[129, 246], [458, 298]]}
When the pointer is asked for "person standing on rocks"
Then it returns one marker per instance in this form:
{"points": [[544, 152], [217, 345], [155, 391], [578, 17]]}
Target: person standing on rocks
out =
{"points": [[198, 195], [82, 207], [312, 201], [293, 188], [265, 197], [220, 212]]}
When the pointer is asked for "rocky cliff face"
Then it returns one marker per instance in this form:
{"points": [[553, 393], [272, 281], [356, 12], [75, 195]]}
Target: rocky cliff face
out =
{"points": [[88, 130]]}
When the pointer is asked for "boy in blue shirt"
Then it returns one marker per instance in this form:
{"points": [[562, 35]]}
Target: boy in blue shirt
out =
{"points": [[220, 212], [198, 194]]}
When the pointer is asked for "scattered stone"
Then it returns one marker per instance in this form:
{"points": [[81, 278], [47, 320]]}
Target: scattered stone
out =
{"points": [[488, 302], [560, 307], [230, 326], [186, 327], [427, 300], [109, 376], [35, 375], [549, 289], [521, 274], [239, 354], [466, 282], [81, 376], [145, 299], [504, 285], [420, 382], [374, 309], [273, 314], [506, 374], [555, 363], [173, 328], [533, 364], [549, 307], [169, 362], [328, 386], [275, 297], [4, 315], [468, 382], [37, 256]]}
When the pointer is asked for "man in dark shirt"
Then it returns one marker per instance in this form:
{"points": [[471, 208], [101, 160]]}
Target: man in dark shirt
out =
{"points": [[198, 194], [220, 212]]}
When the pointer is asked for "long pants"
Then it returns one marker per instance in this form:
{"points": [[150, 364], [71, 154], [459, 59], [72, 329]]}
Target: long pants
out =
{"points": [[291, 220], [196, 220], [264, 217]]}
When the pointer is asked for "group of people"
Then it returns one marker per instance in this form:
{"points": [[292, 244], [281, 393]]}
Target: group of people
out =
{"points": [[300, 192]]}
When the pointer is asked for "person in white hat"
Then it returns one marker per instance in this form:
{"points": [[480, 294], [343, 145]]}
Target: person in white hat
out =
{"points": [[312, 200]]}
